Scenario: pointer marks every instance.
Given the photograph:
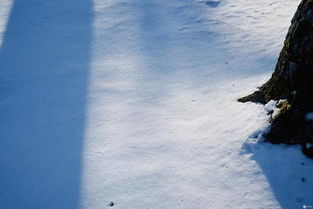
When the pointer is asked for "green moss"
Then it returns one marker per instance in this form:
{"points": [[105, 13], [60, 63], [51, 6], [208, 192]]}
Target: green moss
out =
{"points": [[284, 108]]}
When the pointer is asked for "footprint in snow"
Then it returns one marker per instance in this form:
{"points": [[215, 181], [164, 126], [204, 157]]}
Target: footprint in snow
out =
{"points": [[212, 4]]}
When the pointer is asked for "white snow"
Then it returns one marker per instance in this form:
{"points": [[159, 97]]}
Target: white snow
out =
{"points": [[134, 102], [271, 107], [4, 15]]}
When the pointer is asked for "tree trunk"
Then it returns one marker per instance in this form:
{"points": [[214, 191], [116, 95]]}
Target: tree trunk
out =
{"points": [[293, 81]]}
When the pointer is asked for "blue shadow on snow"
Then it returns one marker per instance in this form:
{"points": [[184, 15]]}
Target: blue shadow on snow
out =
{"points": [[288, 172], [44, 62]]}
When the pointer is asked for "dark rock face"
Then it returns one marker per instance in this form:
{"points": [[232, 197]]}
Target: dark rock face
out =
{"points": [[293, 81]]}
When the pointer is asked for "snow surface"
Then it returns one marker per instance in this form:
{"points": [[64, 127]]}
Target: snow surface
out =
{"points": [[309, 116], [134, 102]]}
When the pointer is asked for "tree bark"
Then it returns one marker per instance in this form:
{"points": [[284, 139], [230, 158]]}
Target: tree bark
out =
{"points": [[292, 81]]}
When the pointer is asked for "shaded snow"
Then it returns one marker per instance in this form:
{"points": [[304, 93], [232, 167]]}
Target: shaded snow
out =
{"points": [[134, 102], [309, 116]]}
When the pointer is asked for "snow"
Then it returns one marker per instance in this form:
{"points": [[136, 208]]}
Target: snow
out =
{"points": [[308, 145], [134, 103], [4, 15], [309, 116], [271, 107]]}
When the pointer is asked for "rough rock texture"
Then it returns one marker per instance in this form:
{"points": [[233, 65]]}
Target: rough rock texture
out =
{"points": [[292, 80]]}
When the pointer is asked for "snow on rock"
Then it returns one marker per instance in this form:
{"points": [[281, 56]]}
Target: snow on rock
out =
{"points": [[271, 106]]}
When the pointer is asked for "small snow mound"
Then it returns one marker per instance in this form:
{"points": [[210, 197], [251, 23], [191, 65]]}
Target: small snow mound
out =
{"points": [[309, 116], [271, 106]]}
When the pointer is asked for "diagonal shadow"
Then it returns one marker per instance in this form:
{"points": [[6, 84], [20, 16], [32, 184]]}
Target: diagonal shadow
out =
{"points": [[44, 62], [288, 172]]}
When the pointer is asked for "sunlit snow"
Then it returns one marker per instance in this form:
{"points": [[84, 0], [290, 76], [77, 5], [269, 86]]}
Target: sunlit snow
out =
{"points": [[131, 104]]}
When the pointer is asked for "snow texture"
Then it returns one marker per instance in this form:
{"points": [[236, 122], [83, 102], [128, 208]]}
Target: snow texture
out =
{"points": [[134, 103]]}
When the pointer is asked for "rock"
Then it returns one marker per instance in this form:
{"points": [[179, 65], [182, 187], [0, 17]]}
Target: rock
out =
{"points": [[292, 80]]}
